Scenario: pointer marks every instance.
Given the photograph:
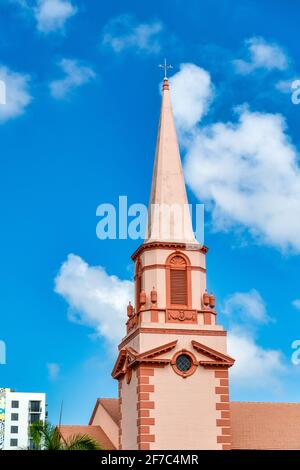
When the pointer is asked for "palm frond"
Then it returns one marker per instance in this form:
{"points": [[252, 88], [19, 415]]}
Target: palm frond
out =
{"points": [[45, 435], [81, 442], [48, 437]]}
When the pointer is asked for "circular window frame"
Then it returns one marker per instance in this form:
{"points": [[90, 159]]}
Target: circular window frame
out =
{"points": [[193, 367]]}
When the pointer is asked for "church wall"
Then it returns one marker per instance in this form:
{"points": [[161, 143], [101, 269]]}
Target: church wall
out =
{"points": [[188, 404], [150, 341], [155, 278], [213, 336], [159, 256], [198, 288], [157, 399], [111, 429], [135, 343], [164, 399], [129, 414]]}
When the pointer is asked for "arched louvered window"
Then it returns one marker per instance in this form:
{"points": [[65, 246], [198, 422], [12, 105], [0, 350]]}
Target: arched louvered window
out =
{"points": [[178, 281]]}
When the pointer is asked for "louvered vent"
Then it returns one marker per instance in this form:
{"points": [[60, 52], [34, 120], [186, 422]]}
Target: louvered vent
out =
{"points": [[178, 287]]}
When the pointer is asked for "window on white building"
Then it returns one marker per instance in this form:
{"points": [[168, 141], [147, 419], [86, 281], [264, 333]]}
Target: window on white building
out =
{"points": [[34, 417], [35, 406]]}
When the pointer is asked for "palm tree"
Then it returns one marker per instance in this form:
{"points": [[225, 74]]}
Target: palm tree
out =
{"points": [[48, 437]]}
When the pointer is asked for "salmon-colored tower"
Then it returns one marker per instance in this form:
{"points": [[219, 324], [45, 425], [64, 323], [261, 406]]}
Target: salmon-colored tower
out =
{"points": [[173, 365]]}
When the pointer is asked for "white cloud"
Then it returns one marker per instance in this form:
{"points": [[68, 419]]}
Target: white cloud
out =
{"points": [[17, 95], [192, 92], [76, 75], [248, 175], [255, 367], [95, 298], [263, 55], [124, 32], [53, 370], [296, 303], [99, 300], [51, 15], [246, 172], [285, 86], [246, 306]]}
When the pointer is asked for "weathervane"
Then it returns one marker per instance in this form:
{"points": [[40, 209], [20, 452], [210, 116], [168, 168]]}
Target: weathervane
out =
{"points": [[165, 66]]}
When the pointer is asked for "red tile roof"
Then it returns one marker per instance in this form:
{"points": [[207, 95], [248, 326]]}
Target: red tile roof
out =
{"points": [[265, 425], [95, 432], [254, 425], [111, 405]]}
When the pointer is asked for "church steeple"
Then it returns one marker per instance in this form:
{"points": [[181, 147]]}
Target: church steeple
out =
{"points": [[172, 366], [169, 217]]}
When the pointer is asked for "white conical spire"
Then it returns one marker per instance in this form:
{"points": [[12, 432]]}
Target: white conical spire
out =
{"points": [[169, 217]]}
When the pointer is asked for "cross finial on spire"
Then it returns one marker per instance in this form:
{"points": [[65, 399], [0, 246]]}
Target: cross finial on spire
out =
{"points": [[165, 66]]}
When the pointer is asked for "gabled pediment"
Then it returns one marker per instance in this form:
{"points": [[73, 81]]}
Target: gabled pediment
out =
{"points": [[129, 357], [120, 365], [214, 358], [154, 353]]}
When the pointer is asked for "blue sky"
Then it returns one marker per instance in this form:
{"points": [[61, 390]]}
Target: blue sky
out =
{"points": [[79, 129]]}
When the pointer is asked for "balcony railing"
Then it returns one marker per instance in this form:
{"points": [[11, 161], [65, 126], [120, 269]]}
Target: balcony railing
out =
{"points": [[34, 407]]}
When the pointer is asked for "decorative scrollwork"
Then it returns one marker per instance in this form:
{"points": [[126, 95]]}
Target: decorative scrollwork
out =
{"points": [[182, 315]]}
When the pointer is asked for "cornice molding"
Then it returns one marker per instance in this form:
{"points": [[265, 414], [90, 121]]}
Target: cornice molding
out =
{"points": [[166, 330], [129, 358], [170, 246]]}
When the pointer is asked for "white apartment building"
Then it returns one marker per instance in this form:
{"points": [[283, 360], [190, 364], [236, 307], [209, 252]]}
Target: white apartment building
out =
{"points": [[18, 410]]}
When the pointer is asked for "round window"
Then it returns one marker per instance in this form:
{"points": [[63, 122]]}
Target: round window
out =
{"points": [[183, 362]]}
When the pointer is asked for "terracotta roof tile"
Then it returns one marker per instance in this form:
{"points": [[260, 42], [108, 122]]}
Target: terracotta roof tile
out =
{"points": [[95, 432], [111, 405], [254, 425], [258, 425]]}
